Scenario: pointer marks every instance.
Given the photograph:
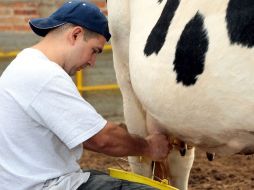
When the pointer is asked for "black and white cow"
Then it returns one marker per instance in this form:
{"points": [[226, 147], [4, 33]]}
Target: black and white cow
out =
{"points": [[186, 68]]}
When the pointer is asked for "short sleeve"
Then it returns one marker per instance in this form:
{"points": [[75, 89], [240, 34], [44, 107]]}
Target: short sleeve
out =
{"points": [[60, 108]]}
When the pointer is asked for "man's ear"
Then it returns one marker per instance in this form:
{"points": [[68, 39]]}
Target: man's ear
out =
{"points": [[75, 33]]}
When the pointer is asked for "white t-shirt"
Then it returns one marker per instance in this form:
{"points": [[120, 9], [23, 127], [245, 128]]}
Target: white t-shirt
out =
{"points": [[43, 122]]}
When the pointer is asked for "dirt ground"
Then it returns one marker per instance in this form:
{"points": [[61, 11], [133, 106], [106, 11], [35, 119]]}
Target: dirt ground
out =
{"points": [[227, 173]]}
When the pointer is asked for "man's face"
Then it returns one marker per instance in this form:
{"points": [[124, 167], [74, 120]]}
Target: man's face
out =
{"points": [[84, 53]]}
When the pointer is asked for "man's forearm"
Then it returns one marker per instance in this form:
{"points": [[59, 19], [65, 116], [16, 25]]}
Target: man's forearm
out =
{"points": [[116, 141]]}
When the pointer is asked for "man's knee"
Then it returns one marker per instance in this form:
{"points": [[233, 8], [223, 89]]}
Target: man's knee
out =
{"points": [[100, 180]]}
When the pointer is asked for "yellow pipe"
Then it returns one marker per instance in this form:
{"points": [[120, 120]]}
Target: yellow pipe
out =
{"points": [[99, 87], [79, 79], [107, 47], [8, 54]]}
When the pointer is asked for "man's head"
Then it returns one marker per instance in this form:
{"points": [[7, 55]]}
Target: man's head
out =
{"points": [[79, 47], [78, 30], [77, 12]]}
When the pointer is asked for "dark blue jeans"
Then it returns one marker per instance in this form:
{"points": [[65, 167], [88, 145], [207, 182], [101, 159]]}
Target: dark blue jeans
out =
{"points": [[102, 181]]}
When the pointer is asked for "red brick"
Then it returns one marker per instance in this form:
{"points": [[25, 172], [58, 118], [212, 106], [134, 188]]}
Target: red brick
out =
{"points": [[5, 11], [6, 28], [25, 12], [101, 4], [24, 4], [21, 28], [11, 20]]}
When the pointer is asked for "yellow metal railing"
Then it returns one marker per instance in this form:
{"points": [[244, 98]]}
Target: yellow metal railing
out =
{"points": [[8, 54], [79, 74], [81, 87]]}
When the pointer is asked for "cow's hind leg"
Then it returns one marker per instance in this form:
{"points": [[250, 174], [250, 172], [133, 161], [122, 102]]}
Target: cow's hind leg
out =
{"points": [[118, 15], [176, 168], [180, 167]]}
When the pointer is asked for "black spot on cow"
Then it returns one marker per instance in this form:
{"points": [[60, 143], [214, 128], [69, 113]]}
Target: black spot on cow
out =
{"points": [[158, 34], [159, 1], [191, 50], [240, 22]]}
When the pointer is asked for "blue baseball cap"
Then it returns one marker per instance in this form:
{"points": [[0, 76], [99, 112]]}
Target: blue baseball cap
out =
{"points": [[78, 12]]}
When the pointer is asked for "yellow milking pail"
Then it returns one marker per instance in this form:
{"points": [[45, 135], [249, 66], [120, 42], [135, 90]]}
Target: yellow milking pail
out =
{"points": [[129, 176]]}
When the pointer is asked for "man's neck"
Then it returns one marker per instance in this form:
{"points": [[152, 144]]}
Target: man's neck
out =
{"points": [[51, 50]]}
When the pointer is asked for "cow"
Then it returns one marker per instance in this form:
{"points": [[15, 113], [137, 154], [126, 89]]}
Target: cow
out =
{"points": [[186, 69]]}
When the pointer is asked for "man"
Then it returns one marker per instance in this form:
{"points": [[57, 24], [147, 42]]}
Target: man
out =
{"points": [[43, 119]]}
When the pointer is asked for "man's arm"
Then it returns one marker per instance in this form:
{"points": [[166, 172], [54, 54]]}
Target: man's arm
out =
{"points": [[117, 141]]}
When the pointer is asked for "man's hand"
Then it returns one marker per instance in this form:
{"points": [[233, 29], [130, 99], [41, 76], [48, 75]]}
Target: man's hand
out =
{"points": [[159, 146]]}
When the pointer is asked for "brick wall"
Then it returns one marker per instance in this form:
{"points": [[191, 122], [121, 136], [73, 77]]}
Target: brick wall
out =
{"points": [[14, 14]]}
